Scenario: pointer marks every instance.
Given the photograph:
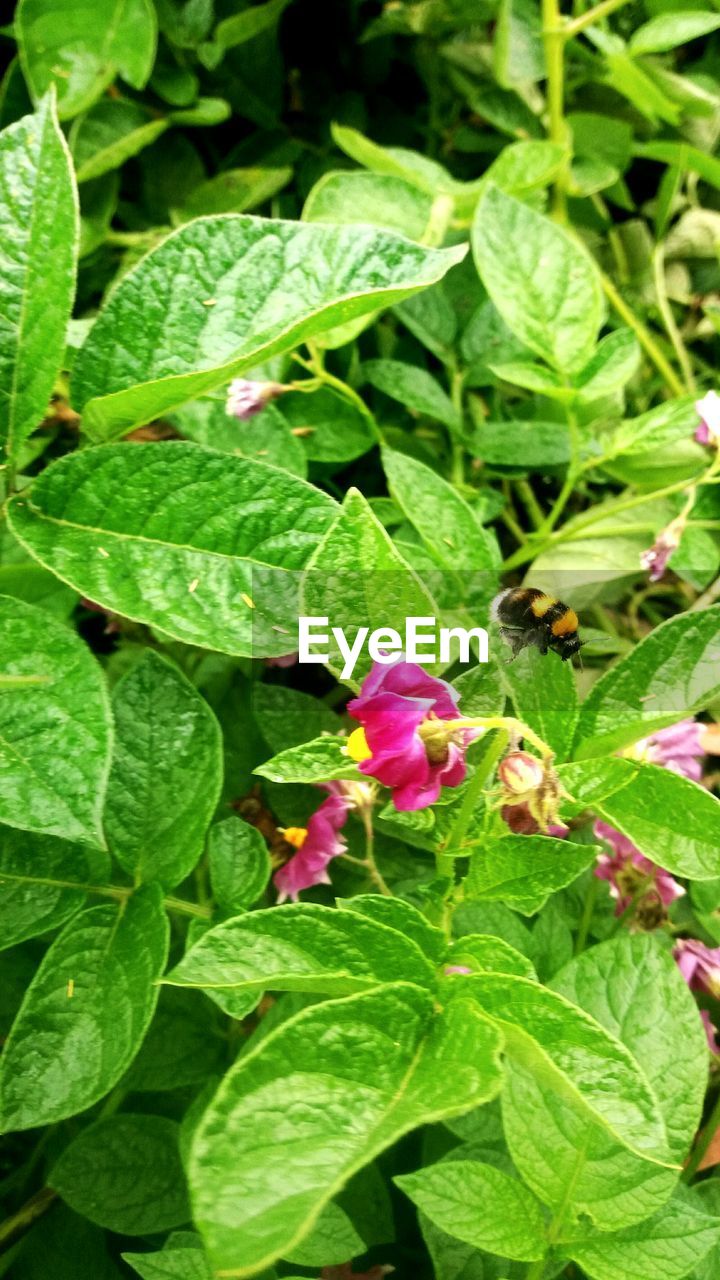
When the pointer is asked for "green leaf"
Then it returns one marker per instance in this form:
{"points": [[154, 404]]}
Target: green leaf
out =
{"points": [[37, 879], [322, 760], [110, 133], [543, 283], [288, 718], [250, 23], [674, 822], [357, 578], [403, 918], [383, 201], [239, 864], [544, 695], [419, 170], [186, 1045], [533, 446], [415, 388], [233, 191], [302, 947], [39, 209], [81, 50], [361, 1072], [445, 522], [633, 987], [523, 167], [613, 363], [223, 294], [166, 773], [170, 1264], [673, 673], [332, 1241], [113, 956], [124, 1173], [484, 953], [55, 727], [523, 871], [684, 157], [481, 1206], [265, 437], [334, 430], [561, 1045], [161, 533], [668, 30], [664, 1247]]}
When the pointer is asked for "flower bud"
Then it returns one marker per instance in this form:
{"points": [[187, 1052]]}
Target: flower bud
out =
{"points": [[708, 431], [246, 398], [521, 773]]}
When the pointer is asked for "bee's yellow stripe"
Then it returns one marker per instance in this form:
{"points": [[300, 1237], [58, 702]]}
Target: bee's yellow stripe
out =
{"points": [[565, 625], [541, 605]]}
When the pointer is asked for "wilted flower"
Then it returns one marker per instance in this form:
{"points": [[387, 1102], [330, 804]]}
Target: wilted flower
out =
{"points": [[679, 748], [522, 823], [655, 559], [403, 741], [317, 844], [532, 786], [633, 878], [246, 398], [708, 408]]}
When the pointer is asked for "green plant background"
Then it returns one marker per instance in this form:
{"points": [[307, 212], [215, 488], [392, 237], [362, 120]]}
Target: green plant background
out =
{"points": [[478, 242]]}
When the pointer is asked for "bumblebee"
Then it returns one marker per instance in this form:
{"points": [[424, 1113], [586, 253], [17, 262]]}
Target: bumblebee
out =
{"points": [[528, 616]]}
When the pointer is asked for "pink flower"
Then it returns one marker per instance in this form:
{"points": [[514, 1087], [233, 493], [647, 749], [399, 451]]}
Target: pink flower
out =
{"points": [[520, 772], [456, 968], [403, 742], [633, 877], [316, 845], [709, 1031], [246, 398], [655, 559], [708, 408], [699, 965], [285, 660], [679, 748]]}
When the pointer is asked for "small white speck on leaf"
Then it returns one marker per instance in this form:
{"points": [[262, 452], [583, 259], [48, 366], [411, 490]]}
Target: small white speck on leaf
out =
{"points": [[102, 552], [193, 586], [248, 600], [210, 302], [70, 988]]}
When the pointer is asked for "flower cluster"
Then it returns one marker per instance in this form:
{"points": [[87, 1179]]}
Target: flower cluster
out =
{"points": [[530, 795], [246, 398]]}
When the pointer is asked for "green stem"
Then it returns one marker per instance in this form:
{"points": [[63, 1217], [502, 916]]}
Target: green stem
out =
{"points": [[702, 1143], [554, 42], [532, 506], [510, 723], [586, 920], [668, 318], [20, 1222], [316, 366], [373, 869], [117, 892], [454, 845], [20, 682], [603, 10], [643, 335]]}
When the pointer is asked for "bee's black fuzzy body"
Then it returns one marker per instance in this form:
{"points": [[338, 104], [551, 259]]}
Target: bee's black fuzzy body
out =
{"points": [[528, 616]]}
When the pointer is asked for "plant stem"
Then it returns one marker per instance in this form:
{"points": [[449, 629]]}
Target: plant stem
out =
{"points": [[642, 334], [658, 260], [118, 892], [316, 365], [373, 869], [603, 10], [703, 1142], [454, 845], [509, 723], [586, 919], [554, 42], [531, 503], [20, 1222]]}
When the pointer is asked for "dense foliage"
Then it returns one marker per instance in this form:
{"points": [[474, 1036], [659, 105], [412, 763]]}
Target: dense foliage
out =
{"points": [[364, 314]]}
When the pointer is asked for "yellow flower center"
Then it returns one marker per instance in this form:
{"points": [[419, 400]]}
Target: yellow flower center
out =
{"points": [[357, 747], [296, 836]]}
